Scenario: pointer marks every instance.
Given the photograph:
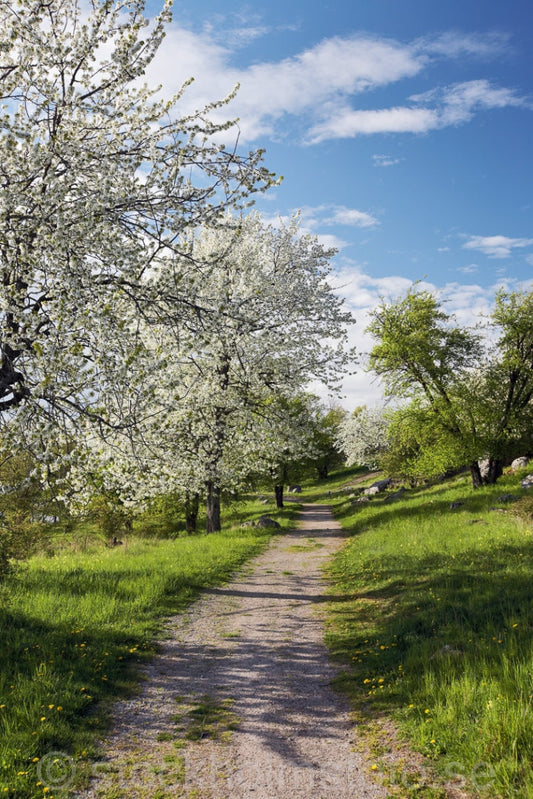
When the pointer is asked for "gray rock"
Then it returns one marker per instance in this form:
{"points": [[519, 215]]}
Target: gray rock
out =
{"points": [[527, 482], [295, 489], [520, 463], [507, 498], [381, 485], [266, 521], [396, 495]]}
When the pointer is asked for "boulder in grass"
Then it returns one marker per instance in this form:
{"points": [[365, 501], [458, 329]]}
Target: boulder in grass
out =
{"points": [[527, 482], [266, 521], [519, 463], [378, 486], [396, 495], [295, 489]]}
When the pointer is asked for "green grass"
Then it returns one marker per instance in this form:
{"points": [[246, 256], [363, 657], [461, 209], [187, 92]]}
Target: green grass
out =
{"points": [[434, 625], [74, 628]]}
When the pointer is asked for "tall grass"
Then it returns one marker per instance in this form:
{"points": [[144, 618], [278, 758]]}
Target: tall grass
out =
{"points": [[74, 628], [434, 622]]}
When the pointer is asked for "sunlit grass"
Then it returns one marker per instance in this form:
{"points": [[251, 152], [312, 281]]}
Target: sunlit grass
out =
{"points": [[76, 626], [434, 623]]}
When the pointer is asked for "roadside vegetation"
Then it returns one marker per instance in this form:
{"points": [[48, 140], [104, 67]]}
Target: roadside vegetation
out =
{"points": [[77, 621], [433, 624]]}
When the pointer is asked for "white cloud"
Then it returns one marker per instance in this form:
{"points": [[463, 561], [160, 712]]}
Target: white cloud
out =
{"points": [[458, 103], [386, 160], [452, 105], [311, 89], [348, 123], [340, 215], [454, 44], [496, 246]]}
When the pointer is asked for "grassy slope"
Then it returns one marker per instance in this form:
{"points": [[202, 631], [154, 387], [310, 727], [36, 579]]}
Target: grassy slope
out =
{"points": [[434, 625], [74, 628]]}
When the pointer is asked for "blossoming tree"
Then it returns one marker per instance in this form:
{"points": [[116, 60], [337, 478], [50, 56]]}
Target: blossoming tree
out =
{"points": [[99, 178], [263, 321]]}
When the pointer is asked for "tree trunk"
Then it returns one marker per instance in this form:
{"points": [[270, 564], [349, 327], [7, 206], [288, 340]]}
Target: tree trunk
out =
{"points": [[278, 491], [212, 509], [322, 471], [192, 505], [495, 471], [475, 471]]}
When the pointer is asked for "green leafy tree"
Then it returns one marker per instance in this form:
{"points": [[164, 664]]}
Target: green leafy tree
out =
{"points": [[329, 454], [473, 402]]}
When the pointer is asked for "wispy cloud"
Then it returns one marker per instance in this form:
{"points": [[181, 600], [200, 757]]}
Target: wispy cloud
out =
{"points": [[437, 108], [496, 246], [340, 215], [386, 160], [348, 123], [309, 90], [469, 269], [459, 102], [456, 44]]}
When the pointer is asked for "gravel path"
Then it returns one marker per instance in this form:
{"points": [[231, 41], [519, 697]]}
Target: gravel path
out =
{"points": [[238, 704]]}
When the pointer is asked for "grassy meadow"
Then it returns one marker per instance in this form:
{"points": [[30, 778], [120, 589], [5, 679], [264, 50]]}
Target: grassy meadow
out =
{"points": [[434, 627], [77, 621]]}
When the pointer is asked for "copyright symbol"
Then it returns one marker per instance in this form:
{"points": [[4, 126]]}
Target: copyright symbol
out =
{"points": [[56, 770]]}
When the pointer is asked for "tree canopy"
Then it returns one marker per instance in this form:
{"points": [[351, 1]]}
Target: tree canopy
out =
{"points": [[99, 179], [470, 398]]}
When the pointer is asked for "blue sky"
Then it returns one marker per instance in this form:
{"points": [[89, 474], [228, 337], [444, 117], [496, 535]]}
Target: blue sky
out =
{"points": [[402, 128]]}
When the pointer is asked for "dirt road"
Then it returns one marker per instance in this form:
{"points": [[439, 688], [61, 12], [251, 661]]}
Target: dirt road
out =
{"points": [[239, 703]]}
